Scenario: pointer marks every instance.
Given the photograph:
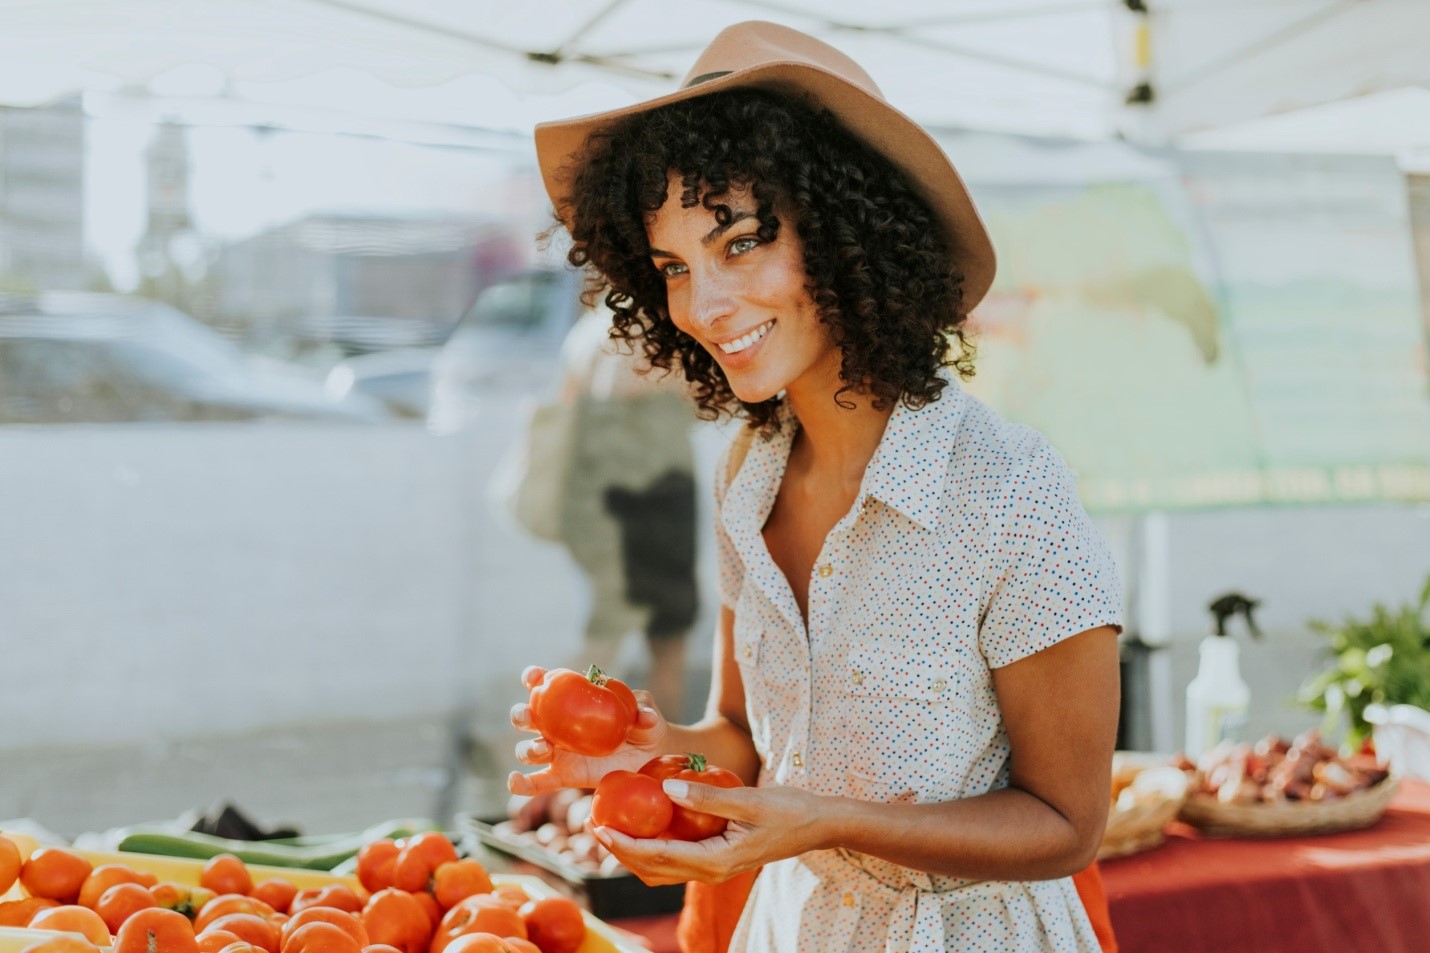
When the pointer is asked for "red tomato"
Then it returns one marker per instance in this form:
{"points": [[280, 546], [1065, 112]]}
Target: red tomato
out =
{"points": [[554, 924], [686, 824], [479, 913], [418, 860], [631, 803], [374, 864], [589, 714]]}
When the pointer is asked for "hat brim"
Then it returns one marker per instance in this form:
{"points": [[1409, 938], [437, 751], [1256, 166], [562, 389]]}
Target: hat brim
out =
{"points": [[876, 123]]}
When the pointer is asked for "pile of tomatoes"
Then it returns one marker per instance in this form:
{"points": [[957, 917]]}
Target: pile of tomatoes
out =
{"points": [[417, 896], [591, 715]]}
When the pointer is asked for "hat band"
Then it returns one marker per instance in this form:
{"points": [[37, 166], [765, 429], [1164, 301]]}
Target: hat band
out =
{"points": [[707, 77]]}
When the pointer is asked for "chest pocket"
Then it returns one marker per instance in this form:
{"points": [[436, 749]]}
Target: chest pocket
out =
{"points": [[909, 711]]}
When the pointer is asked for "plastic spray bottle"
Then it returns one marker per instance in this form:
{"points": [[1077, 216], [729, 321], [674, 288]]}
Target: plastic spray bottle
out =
{"points": [[1218, 699]]}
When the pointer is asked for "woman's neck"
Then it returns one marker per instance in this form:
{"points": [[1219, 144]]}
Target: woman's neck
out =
{"points": [[835, 439]]}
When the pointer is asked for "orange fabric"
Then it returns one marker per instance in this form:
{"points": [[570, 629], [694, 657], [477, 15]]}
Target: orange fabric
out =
{"points": [[1094, 900], [707, 921], [708, 918]]}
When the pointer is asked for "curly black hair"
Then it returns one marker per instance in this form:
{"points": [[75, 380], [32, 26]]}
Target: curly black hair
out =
{"points": [[878, 267]]}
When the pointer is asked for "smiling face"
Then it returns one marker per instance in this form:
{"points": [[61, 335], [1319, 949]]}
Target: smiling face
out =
{"points": [[741, 298]]}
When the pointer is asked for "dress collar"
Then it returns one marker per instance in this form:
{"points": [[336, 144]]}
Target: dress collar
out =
{"points": [[907, 473], [910, 466]]}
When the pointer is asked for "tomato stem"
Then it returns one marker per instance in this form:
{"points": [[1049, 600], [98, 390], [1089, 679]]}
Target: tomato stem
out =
{"points": [[696, 761], [596, 677]]}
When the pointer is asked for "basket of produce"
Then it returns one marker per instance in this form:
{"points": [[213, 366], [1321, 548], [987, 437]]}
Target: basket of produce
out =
{"points": [[545, 836], [1282, 789], [1147, 792]]}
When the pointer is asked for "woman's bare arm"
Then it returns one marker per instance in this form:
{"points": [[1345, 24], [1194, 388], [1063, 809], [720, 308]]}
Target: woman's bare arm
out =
{"points": [[1060, 707]]}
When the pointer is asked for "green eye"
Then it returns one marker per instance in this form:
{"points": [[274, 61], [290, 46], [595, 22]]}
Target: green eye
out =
{"points": [[749, 241], [665, 271]]}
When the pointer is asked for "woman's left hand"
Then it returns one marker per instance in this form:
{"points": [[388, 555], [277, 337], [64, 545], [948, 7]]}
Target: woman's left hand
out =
{"points": [[766, 824]]}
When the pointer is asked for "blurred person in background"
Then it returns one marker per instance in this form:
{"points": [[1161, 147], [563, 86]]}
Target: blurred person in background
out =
{"points": [[630, 508]]}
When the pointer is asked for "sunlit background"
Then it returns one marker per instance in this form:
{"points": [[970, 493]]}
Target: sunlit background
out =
{"points": [[273, 308]]}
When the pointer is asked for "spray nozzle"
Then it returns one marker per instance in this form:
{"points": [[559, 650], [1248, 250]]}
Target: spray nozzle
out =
{"points": [[1234, 603]]}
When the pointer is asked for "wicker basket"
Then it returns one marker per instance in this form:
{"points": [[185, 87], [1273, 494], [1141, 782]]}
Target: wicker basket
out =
{"points": [[1289, 818], [1157, 793]]}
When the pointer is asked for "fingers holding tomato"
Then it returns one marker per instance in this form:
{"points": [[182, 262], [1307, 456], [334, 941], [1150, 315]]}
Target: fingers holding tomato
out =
{"points": [[766, 824], [661, 860], [534, 751], [576, 713]]}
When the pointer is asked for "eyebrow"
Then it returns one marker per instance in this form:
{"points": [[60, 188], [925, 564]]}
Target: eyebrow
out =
{"points": [[715, 233]]}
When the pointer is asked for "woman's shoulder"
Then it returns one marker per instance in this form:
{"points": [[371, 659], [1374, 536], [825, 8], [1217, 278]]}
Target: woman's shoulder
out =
{"points": [[993, 456]]}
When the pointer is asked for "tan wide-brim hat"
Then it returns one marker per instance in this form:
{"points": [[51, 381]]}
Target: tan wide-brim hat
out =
{"points": [[774, 57]]}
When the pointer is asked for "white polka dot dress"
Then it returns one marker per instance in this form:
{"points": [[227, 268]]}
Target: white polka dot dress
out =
{"points": [[966, 550]]}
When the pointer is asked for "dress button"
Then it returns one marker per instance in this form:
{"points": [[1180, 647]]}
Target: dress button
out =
{"points": [[797, 761], [857, 678], [939, 684], [749, 652], [825, 571], [848, 900]]}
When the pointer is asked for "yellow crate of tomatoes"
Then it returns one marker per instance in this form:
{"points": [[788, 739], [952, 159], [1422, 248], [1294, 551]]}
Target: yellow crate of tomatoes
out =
{"points": [[412, 896]]}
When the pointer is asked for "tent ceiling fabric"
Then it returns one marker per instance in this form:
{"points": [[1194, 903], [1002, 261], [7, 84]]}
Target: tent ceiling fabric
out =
{"points": [[1059, 67]]}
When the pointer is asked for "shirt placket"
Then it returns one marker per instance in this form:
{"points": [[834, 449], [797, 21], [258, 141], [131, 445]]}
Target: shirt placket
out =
{"points": [[832, 573]]}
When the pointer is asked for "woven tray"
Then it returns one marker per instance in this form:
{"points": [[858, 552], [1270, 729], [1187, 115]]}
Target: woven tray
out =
{"points": [[1289, 818], [1158, 793]]}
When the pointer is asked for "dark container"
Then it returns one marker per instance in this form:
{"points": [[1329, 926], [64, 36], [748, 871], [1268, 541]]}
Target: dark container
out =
{"points": [[607, 896]]}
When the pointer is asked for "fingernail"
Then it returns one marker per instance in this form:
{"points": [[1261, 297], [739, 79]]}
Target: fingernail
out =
{"points": [[675, 788], [602, 835]]}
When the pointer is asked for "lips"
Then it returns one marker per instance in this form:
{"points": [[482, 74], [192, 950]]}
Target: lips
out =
{"points": [[746, 341]]}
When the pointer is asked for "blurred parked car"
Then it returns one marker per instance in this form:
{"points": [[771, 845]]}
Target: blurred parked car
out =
{"points": [[90, 358], [364, 334], [507, 346], [400, 378]]}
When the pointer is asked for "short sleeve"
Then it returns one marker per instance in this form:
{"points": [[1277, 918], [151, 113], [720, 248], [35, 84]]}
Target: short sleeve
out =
{"points": [[1048, 574], [731, 569]]}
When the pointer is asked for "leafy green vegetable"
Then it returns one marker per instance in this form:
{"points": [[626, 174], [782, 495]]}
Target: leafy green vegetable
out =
{"points": [[1384, 659]]}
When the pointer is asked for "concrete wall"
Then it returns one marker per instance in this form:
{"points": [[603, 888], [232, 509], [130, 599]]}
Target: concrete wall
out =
{"points": [[162, 582]]}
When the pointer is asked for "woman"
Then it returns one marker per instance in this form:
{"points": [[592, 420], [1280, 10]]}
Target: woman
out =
{"points": [[916, 665]]}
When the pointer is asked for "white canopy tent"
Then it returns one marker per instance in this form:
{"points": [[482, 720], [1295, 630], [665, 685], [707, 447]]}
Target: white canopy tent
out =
{"points": [[1043, 67]]}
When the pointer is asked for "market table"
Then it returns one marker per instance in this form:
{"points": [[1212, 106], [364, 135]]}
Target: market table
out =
{"points": [[1359, 890]]}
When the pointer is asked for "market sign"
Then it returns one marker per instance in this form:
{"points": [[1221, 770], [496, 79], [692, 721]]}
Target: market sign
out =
{"points": [[1216, 329]]}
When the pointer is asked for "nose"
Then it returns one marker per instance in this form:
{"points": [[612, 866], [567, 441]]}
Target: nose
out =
{"points": [[712, 300]]}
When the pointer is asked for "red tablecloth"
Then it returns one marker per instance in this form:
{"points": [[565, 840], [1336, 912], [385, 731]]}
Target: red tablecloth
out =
{"points": [[1361, 890]]}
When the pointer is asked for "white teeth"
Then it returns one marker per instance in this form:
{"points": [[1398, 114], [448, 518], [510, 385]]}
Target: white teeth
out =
{"points": [[739, 344]]}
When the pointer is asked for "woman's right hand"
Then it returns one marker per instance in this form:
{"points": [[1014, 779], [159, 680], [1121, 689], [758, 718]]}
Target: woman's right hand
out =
{"points": [[565, 769]]}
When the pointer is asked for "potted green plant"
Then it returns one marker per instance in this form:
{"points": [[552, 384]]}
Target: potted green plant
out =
{"points": [[1376, 662]]}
